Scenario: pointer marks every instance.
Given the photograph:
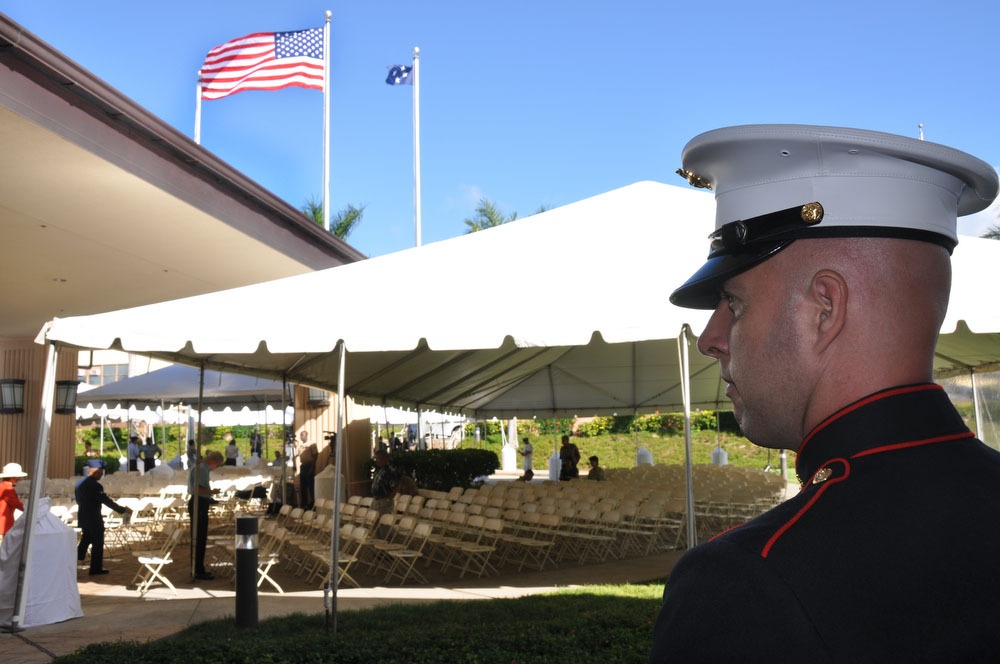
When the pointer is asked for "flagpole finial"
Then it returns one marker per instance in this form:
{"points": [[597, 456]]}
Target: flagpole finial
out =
{"points": [[328, 14], [416, 50]]}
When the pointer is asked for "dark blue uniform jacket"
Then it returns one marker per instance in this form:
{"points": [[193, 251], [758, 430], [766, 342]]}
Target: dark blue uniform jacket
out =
{"points": [[89, 498], [890, 553]]}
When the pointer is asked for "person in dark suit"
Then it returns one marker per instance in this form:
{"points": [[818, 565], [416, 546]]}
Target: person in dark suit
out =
{"points": [[199, 480], [90, 497], [828, 279]]}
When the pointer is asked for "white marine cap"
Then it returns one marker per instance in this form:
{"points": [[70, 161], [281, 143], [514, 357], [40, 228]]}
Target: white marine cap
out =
{"points": [[775, 184]]}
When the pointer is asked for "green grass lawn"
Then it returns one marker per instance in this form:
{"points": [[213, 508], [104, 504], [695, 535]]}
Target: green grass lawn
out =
{"points": [[591, 624]]}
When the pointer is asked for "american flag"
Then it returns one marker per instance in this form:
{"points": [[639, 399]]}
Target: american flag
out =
{"points": [[264, 61]]}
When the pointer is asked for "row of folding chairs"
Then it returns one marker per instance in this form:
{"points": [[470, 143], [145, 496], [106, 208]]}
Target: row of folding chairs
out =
{"points": [[643, 527]]}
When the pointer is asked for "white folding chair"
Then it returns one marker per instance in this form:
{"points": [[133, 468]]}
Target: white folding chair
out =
{"points": [[269, 555], [405, 560], [153, 564]]}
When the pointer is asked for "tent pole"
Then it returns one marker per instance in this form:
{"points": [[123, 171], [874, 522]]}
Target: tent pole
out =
{"points": [[284, 447], [163, 423], [37, 487], [978, 405], [334, 581], [683, 340], [193, 475]]}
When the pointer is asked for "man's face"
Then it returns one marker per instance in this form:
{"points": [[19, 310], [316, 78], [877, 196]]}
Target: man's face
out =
{"points": [[754, 335], [304, 436]]}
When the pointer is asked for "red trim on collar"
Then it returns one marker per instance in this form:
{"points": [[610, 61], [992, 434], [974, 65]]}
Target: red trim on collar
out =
{"points": [[847, 472], [878, 396], [805, 508], [915, 443]]}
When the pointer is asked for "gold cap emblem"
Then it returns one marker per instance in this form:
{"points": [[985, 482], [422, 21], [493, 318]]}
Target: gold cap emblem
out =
{"points": [[694, 180], [812, 213]]}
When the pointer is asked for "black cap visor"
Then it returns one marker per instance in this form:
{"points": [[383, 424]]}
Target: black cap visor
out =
{"points": [[702, 289]]}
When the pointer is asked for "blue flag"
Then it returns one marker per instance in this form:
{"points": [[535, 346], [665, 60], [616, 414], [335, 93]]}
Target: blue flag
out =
{"points": [[399, 75]]}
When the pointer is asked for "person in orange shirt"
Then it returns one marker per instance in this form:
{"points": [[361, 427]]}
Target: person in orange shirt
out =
{"points": [[8, 497]]}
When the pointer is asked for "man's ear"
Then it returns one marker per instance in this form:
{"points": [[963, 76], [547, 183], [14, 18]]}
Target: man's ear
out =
{"points": [[828, 292]]}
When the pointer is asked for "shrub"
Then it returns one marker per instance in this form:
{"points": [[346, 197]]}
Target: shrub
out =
{"points": [[486, 428], [440, 470], [558, 426], [596, 426], [113, 464]]}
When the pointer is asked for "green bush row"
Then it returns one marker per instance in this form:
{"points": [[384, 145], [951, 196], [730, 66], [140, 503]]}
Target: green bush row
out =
{"points": [[113, 463], [667, 424], [440, 470], [175, 432]]}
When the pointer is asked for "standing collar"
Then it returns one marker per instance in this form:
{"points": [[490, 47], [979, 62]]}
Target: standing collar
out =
{"points": [[895, 416]]}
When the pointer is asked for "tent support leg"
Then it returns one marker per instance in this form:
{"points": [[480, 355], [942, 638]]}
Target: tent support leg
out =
{"points": [[683, 340], [39, 472]]}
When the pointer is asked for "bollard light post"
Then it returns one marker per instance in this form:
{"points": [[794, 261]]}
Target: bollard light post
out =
{"points": [[246, 571]]}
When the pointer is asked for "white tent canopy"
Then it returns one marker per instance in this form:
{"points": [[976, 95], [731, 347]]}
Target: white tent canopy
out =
{"points": [[224, 417], [227, 399], [181, 384], [566, 313]]}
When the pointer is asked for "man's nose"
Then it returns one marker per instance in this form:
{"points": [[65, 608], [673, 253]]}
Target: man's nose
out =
{"points": [[712, 341]]}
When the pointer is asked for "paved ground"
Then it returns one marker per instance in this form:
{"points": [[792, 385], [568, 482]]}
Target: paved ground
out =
{"points": [[113, 612]]}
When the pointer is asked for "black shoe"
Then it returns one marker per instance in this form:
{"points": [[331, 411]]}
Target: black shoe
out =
{"points": [[95, 572], [204, 576]]}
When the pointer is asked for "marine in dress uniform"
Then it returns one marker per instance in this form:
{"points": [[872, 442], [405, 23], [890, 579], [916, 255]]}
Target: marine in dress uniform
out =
{"points": [[889, 551], [89, 498]]}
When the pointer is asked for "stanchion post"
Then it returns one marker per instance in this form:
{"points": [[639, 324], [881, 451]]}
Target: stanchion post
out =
{"points": [[246, 571]]}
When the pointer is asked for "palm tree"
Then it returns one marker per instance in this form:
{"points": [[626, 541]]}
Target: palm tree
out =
{"points": [[489, 215], [341, 223], [992, 233]]}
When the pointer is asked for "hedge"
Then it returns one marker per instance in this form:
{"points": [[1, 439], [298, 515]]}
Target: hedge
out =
{"points": [[440, 470]]}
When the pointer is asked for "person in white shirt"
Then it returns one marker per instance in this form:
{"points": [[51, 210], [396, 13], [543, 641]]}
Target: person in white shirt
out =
{"points": [[526, 451], [232, 452], [133, 453]]}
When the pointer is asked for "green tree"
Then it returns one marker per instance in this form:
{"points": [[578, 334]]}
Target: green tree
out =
{"points": [[992, 233], [341, 223], [489, 215]]}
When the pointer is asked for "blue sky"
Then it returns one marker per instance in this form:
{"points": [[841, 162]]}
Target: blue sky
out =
{"points": [[535, 102]]}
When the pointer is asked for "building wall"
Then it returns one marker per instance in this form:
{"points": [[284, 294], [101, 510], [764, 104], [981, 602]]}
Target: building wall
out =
{"points": [[318, 419], [23, 358]]}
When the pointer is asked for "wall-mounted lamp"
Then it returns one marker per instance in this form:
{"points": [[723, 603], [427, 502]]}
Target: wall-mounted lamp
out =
{"points": [[11, 395], [66, 396], [318, 397]]}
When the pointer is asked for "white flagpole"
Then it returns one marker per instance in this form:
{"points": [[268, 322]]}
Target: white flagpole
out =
{"points": [[197, 111], [416, 141], [326, 121]]}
